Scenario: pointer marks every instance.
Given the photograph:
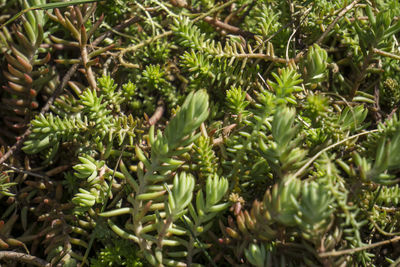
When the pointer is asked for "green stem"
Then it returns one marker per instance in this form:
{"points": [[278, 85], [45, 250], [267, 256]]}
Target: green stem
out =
{"points": [[316, 156]]}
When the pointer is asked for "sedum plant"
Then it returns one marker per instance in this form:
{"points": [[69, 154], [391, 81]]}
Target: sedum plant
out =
{"points": [[25, 70], [199, 133], [161, 199]]}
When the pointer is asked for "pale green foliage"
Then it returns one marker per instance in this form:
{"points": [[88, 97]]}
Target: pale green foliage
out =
{"points": [[236, 100], [351, 119], [158, 213], [89, 120], [284, 152], [388, 196], [96, 186], [279, 201], [204, 157], [5, 184], [263, 20], [286, 85], [181, 195], [316, 66], [386, 158], [314, 210], [255, 254]]}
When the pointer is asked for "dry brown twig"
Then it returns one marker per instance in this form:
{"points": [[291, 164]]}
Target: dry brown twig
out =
{"points": [[227, 27], [157, 113], [339, 16], [215, 22], [34, 174], [354, 250], [22, 257]]}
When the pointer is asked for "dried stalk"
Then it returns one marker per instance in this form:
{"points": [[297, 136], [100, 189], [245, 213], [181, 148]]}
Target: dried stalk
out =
{"points": [[22, 257]]}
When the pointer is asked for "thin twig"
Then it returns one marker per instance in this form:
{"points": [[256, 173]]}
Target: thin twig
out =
{"points": [[361, 76], [334, 22], [277, 32], [135, 47], [386, 54], [305, 166], [24, 172], [396, 263], [121, 26], [213, 10], [378, 113], [354, 250], [108, 27], [157, 114], [387, 209], [58, 91], [389, 117], [270, 58], [217, 23], [380, 230], [22, 257], [229, 28], [305, 14], [16, 146], [57, 170]]}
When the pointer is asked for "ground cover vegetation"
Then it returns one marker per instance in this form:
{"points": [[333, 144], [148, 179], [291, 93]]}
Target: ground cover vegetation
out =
{"points": [[199, 133]]}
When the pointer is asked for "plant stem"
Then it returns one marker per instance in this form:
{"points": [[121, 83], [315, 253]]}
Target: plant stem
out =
{"points": [[354, 250], [305, 166], [385, 54], [334, 22], [22, 257]]}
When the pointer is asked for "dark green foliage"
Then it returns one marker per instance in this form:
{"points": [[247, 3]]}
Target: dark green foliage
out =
{"points": [[201, 133], [119, 252]]}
